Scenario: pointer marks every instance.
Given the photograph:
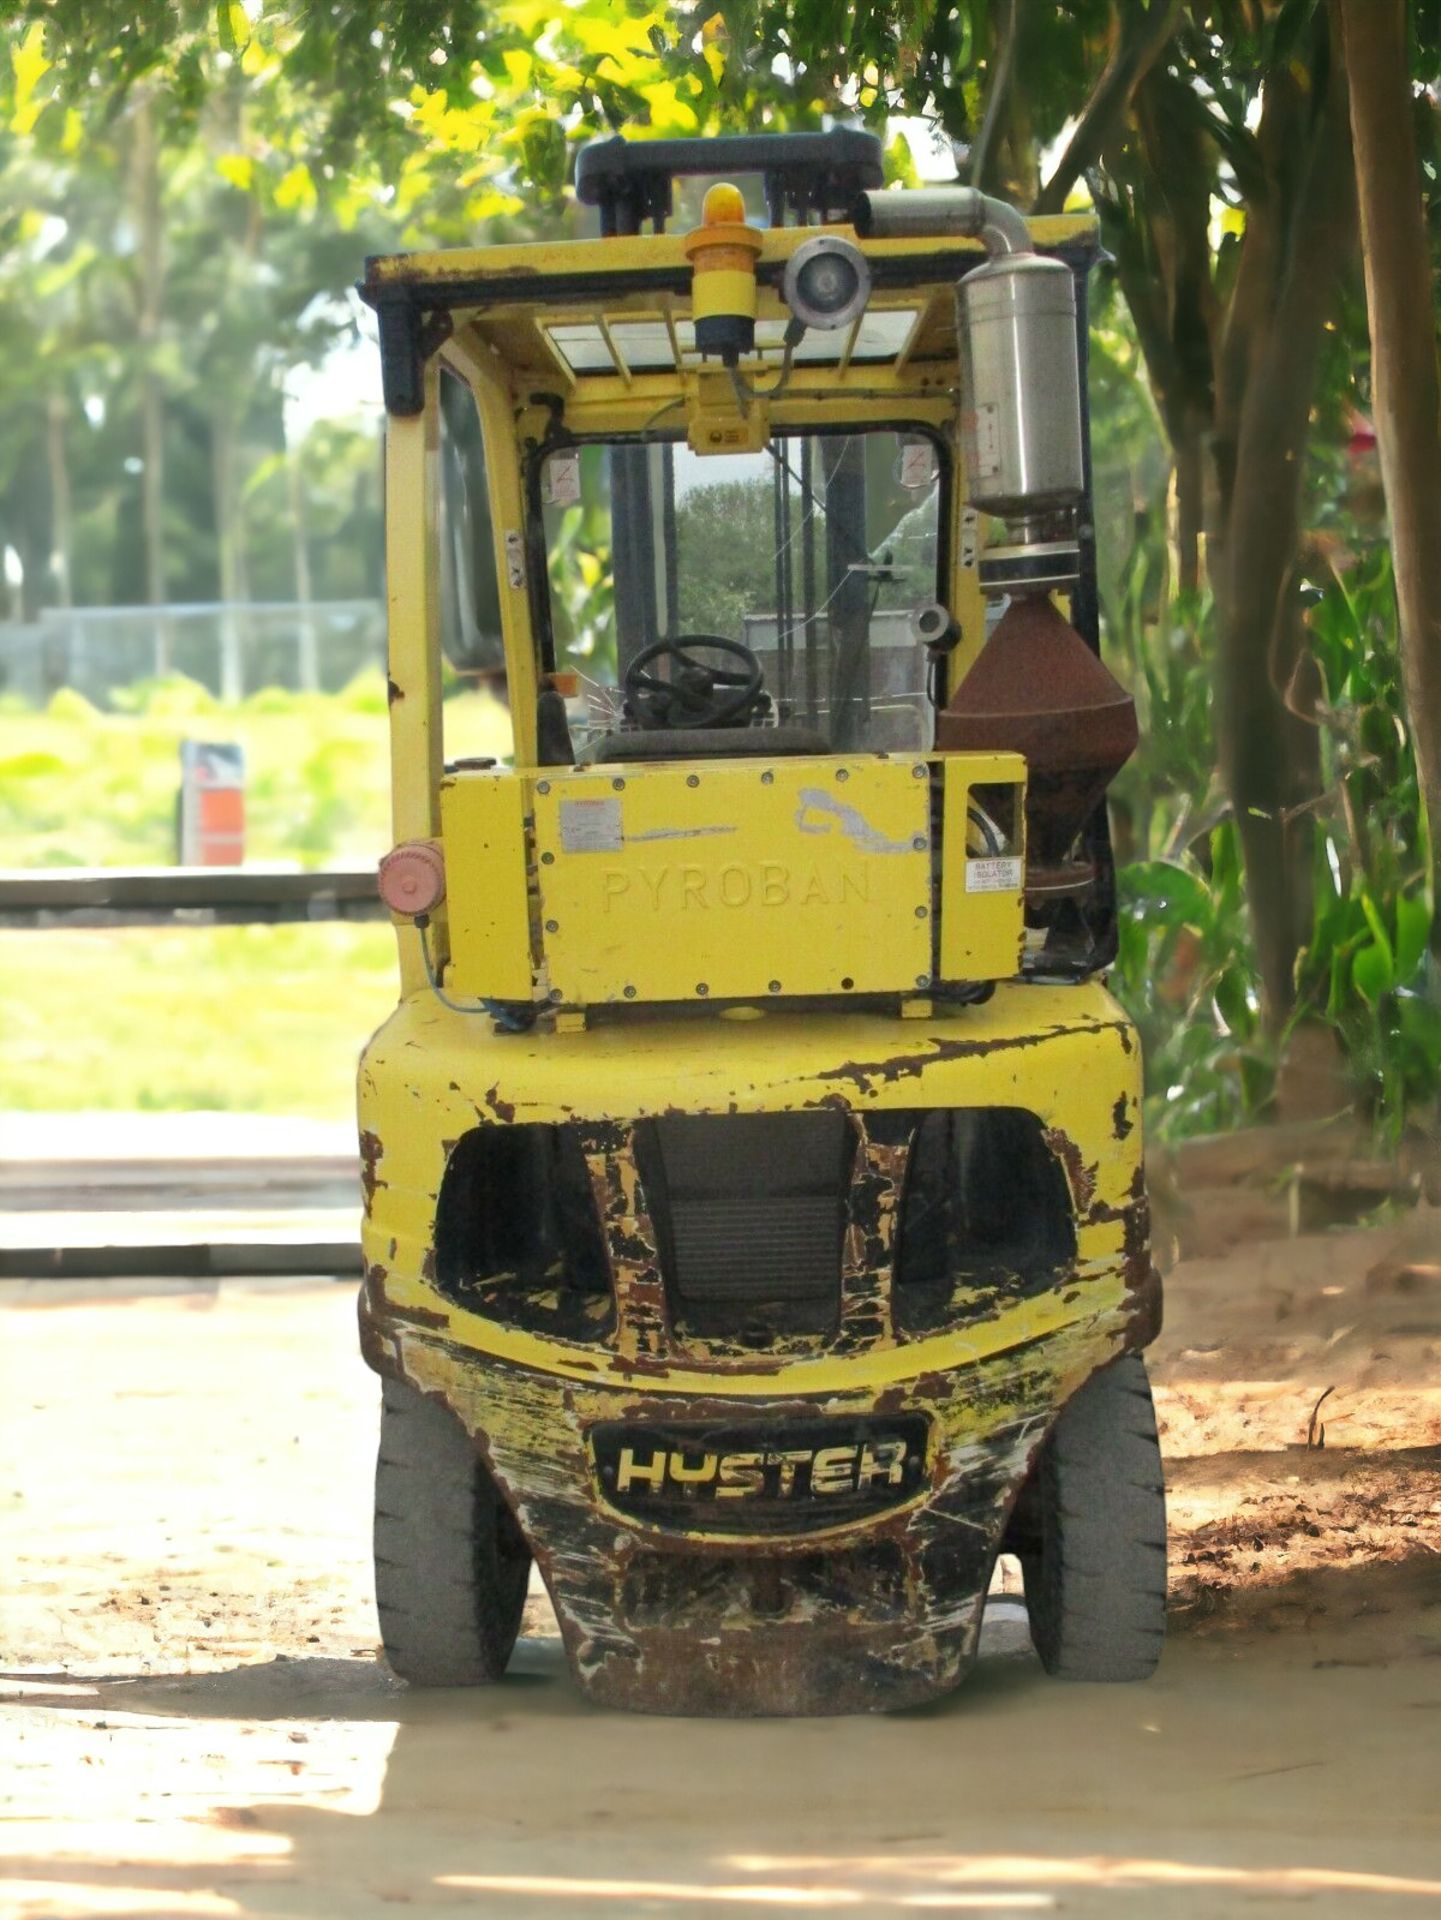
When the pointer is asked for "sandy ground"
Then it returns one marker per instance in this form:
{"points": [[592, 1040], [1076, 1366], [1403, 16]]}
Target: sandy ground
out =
{"points": [[197, 1723]]}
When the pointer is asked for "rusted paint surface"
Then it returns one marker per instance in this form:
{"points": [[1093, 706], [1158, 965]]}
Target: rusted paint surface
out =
{"points": [[643, 1328], [878, 1610], [372, 1151], [867, 1075], [1080, 1176], [872, 1210], [875, 1616]]}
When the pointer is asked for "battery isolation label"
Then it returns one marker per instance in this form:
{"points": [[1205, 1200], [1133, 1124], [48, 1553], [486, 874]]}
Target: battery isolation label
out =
{"points": [[998, 873]]}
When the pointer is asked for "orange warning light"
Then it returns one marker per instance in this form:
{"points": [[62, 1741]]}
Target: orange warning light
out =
{"points": [[723, 206]]}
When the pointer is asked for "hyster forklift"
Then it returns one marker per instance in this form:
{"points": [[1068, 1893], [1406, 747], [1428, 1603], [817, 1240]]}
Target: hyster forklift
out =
{"points": [[756, 1232]]}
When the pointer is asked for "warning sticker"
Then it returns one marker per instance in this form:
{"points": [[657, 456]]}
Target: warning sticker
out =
{"points": [[560, 480], [999, 873], [590, 826], [918, 465]]}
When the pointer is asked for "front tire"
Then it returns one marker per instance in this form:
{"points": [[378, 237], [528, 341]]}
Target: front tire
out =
{"points": [[1093, 1551], [451, 1564]]}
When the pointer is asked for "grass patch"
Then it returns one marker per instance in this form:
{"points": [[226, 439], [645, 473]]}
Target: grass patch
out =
{"points": [[82, 788], [263, 1019], [253, 1019]]}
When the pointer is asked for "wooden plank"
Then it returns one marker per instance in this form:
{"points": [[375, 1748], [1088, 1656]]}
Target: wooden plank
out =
{"points": [[198, 1245], [191, 896]]}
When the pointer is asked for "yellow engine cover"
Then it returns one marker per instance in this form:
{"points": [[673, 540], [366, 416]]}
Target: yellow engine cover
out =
{"points": [[726, 880]]}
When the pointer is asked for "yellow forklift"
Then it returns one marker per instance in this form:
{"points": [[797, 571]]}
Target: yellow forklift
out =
{"points": [[756, 1232]]}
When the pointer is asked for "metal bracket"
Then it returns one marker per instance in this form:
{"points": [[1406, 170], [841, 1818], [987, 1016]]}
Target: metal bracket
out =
{"points": [[408, 338]]}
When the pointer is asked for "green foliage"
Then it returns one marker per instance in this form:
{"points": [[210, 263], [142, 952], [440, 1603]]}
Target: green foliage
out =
{"points": [[296, 137], [1162, 645], [1368, 968], [1186, 975], [84, 788], [582, 579], [1186, 968], [254, 1019], [725, 533]]}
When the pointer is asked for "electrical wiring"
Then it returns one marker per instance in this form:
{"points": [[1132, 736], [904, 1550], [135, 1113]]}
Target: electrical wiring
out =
{"points": [[506, 1018]]}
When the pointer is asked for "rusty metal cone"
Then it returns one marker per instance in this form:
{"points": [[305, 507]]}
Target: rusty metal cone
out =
{"points": [[1038, 690]]}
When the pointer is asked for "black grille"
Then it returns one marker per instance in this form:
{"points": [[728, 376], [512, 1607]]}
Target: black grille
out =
{"points": [[749, 1213]]}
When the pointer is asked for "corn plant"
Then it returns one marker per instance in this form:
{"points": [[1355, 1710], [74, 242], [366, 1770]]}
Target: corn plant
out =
{"points": [[1369, 968]]}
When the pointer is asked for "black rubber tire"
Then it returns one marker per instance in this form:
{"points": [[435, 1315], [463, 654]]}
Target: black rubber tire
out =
{"points": [[1095, 1560], [451, 1564]]}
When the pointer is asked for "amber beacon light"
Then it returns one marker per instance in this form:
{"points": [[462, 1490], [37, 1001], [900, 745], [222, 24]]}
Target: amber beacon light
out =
{"points": [[722, 251]]}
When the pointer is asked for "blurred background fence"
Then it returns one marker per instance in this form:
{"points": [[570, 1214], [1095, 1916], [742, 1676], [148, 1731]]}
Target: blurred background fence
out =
{"points": [[231, 649]]}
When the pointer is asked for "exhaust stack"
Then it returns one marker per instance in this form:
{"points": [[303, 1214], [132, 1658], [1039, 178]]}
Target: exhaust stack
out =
{"points": [[1020, 379], [1036, 687]]}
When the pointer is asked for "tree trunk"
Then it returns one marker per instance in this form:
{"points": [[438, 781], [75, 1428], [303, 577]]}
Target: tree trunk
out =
{"points": [[62, 517], [1269, 757], [1404, 382], [1137, 44], [308, 660], [227, 547], [145, 187], [1190, 506]]}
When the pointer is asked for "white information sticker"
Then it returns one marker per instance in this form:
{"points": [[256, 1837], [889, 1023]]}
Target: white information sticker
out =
{"points": [[560, 486], [998, 873], [917, 464], [591, 826]]}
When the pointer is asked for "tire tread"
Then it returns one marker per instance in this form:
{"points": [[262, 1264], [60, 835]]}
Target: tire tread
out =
{"points": [[448, 1597], [1095, 1577]]}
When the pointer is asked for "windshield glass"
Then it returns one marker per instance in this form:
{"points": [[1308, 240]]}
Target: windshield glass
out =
{"points": [[811, 554]]}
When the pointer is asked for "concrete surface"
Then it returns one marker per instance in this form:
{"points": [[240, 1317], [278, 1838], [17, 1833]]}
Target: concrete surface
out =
{"points": [[197, 1723]]}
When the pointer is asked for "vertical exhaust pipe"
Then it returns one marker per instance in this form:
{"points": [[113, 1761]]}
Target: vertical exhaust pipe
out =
{"points": [[1035, 688], [1020, 377]]}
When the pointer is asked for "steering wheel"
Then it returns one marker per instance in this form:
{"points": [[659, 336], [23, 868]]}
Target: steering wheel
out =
{"points": [[698, 695]]}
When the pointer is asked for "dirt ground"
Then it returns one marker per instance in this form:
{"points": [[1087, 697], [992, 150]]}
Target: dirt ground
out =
{"points": [[196, 1722]]}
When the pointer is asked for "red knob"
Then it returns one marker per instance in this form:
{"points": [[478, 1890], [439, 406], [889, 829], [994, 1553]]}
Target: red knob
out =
{"points": [[412, 877]]}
